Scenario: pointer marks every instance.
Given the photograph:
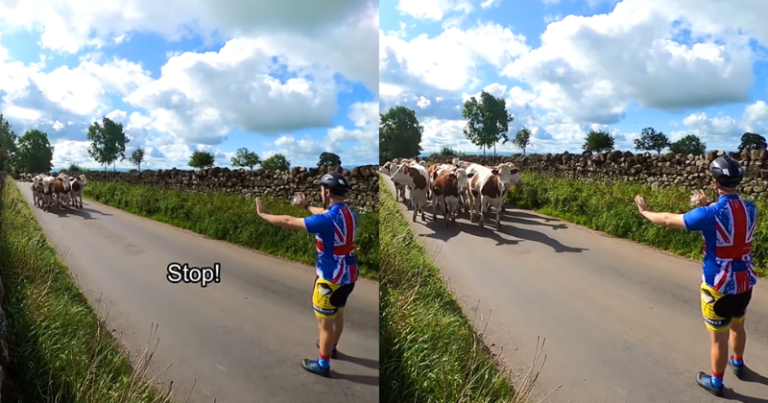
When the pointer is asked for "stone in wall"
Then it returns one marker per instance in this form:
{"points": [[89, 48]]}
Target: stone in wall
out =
{"points": [[250, 184], [657, 171]]}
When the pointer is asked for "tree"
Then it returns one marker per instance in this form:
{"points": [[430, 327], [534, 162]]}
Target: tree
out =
{"points": [[399, 134], [35, 152], [108, 142], [689, 144], [329, 160], [277, 162], [522, 139], [651, 140], [137, 157], [752, 141], [201, 159], [599, 141], [245, 158], [8, 141], [487, 121]]}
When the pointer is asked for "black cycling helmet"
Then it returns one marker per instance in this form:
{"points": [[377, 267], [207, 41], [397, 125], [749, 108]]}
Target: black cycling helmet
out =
{"points": [[336, 183], [727, 171]]}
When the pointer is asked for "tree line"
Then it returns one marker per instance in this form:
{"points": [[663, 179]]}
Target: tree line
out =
{"points": [[488, 122], [33, 152]]}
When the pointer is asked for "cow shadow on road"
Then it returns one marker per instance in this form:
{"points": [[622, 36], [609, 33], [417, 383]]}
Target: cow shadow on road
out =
{"points": [[443, 233], [73, 212], [508, 227], [90, 210], [519, 217]]}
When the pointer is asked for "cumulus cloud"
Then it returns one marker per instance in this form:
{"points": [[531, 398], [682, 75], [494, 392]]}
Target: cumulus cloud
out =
{"points": [[278, 71], [589, 72]]}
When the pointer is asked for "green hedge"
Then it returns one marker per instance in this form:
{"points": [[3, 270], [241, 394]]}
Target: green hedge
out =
{"points": [[428, 348], [59, 352], [610, 208], [232, 218]]}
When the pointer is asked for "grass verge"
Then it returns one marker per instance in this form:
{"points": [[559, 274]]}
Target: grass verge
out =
{"points": [[429, 349], [610, 208], [232, 218], [59, 351]]}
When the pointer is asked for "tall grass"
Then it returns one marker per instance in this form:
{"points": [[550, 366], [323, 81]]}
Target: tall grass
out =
{"points": [[610, 208], [233, 219], [429, 351], [59, 350]]}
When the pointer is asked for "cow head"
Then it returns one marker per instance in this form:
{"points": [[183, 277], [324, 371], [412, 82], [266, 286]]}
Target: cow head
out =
{"points": [[509, 175], [64, 180], [463, 179], [83, 181], [423, 163], [47, 183]]}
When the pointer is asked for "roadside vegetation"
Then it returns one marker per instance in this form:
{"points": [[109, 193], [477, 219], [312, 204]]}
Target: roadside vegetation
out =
{"points": [[232, 218], [610, 208], [430, 351], [59, 351]]}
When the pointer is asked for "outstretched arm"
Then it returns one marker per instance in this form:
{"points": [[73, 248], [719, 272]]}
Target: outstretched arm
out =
{"points": [[671, 220], [285, 221]]}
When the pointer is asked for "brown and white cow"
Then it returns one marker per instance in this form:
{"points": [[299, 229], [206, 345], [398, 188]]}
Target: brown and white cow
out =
{"points": [[76, 191], [37, 191], [515, 180], [445, 188], [416, 178], [61, 189], [487, 187]]}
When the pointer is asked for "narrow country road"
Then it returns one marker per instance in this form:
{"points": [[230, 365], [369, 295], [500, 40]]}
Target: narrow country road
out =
{"points": [[622, 321], [241, 339]]}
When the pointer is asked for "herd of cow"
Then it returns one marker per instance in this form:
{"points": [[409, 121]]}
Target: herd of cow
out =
{"points": [[60, 190], [452, 186]]}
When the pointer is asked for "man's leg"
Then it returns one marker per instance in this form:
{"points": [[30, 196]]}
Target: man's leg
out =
{"points": [[326, 316], [717, 327], [738, 343], [338, 327]]}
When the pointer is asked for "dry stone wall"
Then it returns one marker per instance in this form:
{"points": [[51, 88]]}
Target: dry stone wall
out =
{"points": [[657, 171], [250, 184]]}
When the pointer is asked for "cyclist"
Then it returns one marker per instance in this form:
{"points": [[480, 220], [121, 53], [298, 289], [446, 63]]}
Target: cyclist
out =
{"points": [[728, 227], [334, 227]]}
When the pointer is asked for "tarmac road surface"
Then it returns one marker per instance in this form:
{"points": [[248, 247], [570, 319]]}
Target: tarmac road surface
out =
{"points": [[241, 339], [622, 321]]}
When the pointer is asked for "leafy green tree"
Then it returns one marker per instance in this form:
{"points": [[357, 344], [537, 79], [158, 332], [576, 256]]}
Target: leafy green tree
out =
{"points": [[35, 152], [399, 134], [599, 141], [8, 141], [137, 157], [201, 159], [651, 140], [752, 141], [329, 160], [487, 121], [277, 162], [522, 139], [245, 158], [108, 141], [690, 144]]}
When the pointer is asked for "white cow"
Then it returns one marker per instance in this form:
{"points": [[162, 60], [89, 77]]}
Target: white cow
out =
{"points": [[47, 189], [416, 178], [76, 192], [487, 188], [37, 190]]}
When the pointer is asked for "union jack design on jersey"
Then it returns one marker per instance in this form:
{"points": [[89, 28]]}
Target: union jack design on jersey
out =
{"points": [[728, 230], [335, 242]]}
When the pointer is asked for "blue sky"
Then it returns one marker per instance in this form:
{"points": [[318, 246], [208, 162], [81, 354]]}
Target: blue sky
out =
{"points": [[273, 79], [568, 66]]}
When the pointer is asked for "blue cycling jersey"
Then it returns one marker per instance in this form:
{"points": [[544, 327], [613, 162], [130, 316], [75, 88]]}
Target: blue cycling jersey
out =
{"points": [[728, 230], [335, 241]]}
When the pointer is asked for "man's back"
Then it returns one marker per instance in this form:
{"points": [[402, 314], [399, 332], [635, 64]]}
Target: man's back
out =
{"points": [[728, 229], [335, 241]]}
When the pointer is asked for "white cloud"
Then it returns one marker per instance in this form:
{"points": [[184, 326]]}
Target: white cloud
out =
{"points": [[199, 97], [449, 61]]}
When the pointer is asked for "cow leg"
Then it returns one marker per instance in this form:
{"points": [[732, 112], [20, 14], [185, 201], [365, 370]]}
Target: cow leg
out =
{"points": [[498, 216], [483, 210]]}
